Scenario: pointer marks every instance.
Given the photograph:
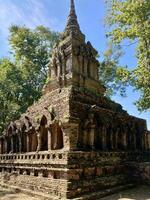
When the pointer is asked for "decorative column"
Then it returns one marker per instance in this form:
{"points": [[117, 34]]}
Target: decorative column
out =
{"points": [[66, 138], [92, 136], [28, 143], [5, 145], [39, 141], [112, 138], [55, 135], [125, 140], [49, 140]]}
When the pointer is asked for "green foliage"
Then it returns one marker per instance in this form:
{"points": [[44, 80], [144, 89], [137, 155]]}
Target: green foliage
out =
{"points": [[130, 20], [23, 77], [114, 77], [9, 78]]}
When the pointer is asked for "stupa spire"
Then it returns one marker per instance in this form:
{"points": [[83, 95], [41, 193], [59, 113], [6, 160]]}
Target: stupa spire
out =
{"points": [[72, 25], [72, 8]]}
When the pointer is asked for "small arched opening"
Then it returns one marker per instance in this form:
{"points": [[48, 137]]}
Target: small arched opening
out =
{"points": [[44, 133], [56, 136]]}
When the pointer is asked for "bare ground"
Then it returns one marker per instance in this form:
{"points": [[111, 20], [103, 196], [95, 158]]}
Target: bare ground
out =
{"points": [[139, 193], [7, 194]]}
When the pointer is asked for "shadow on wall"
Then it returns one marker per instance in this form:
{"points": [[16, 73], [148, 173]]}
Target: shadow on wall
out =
{"points": [[138, 193]]}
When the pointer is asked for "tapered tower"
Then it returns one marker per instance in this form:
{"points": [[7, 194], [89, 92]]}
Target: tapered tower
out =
{"points": [[74, 61]]}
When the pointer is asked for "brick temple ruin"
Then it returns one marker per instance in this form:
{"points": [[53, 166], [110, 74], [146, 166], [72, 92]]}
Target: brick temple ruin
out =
{"points": [[74, 143]]}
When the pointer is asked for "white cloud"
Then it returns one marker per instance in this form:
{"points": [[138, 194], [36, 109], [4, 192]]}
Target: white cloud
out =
{"points": [[23, 12]]}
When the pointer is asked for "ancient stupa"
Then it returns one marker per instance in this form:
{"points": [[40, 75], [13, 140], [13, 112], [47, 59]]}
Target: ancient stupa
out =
{"points": [[74, 143]]}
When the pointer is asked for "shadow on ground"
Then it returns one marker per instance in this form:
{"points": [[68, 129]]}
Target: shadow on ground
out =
{"points": [[139, 193]]}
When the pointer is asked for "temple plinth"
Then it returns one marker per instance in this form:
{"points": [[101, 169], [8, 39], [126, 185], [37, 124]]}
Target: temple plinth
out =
{"points": [[74, 143]]}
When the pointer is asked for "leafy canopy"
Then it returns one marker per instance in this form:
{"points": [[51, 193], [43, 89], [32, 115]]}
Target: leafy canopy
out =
{"points": [[130, 20], [23, 77]]}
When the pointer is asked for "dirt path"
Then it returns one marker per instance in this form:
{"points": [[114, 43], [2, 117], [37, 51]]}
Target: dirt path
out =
{"points": [[140, 193], [6, 194]]}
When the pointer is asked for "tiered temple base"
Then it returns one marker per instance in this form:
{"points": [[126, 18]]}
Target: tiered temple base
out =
{"points": [[73, 175], [43, 172]]}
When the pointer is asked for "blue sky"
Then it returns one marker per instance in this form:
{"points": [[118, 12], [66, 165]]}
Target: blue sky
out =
{"points": [[53, 14]]}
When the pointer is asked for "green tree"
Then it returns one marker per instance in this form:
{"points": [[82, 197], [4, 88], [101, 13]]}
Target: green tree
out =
{"points": [[10, 77], [22, 78], [114, 77], [130, 20], [31, 50]]}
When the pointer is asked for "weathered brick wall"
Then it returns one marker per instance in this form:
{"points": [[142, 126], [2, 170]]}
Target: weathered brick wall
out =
{"points": [[44, 172], [53, 187], [144, 172], [85, 106], [98, 172]]}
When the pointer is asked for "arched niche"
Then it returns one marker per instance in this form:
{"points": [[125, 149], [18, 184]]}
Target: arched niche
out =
{"points": [[98, 132], [23, 138], [87, 139], [43, 134], [56, 135], [34, 143], [139, 137], [88, 69], [128, 136], [2, 145], [108, 138], [8, 140], [120, 136]]}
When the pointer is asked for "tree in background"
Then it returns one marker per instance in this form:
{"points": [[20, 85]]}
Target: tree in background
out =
{"points": [[10, 83], [130, 20], [23, 77], [111, 72]]}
